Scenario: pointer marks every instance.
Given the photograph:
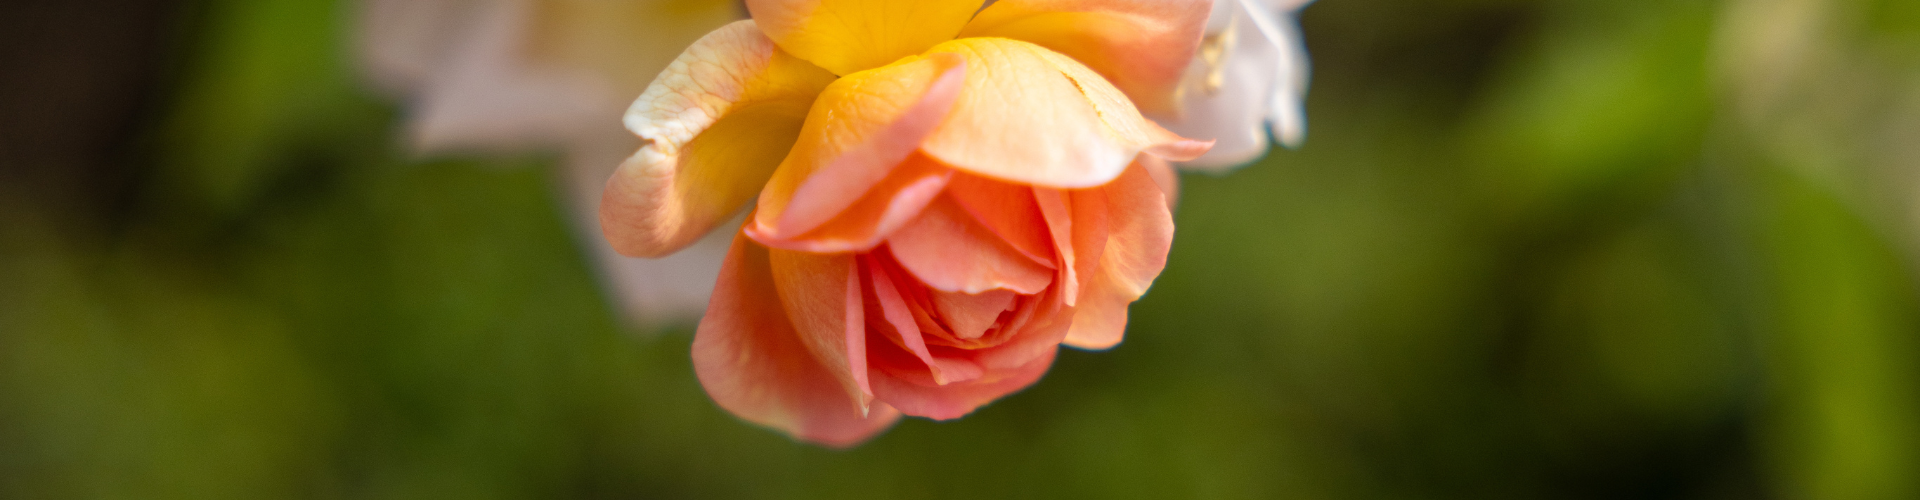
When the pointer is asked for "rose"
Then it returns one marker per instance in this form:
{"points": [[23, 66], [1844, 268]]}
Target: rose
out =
{"points": [[935, 216]]}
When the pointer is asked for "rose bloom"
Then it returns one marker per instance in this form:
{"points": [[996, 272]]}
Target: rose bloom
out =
{"points": [[944, 195]]}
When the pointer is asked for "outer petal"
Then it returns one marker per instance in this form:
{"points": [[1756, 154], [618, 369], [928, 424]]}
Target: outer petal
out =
{"points": [[1140, 233], [1078, 224], [862, 127], [821, 294], [750, 360], [714, 125], [1142, 46], [1029, 115], [846, 36]]}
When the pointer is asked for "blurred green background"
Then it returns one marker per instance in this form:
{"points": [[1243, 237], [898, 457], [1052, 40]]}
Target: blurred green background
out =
{"points": [[1546, 249]]}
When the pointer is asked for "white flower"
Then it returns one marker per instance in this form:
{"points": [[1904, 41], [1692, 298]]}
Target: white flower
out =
{"points": [[1249, 80], [512, 76]]}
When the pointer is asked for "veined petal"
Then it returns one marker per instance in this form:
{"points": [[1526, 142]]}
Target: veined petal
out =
{"points": [[861, 129], [1029, 115], [1142, 46], [715, 124], [750, 360], [846, 36], [1139, 235]]}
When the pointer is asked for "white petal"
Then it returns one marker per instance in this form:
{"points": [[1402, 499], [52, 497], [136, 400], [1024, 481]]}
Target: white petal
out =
{"points": [[1261, 84], [1288, 118]]}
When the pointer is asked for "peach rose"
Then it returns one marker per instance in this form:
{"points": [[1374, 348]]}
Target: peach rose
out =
{"points": [[943, 197]]}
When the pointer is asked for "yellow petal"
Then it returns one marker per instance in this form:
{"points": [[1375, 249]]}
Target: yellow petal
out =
{"points": [[714, 125], [845, 36], [1142, 46], [1030, 115], [863, 127]]}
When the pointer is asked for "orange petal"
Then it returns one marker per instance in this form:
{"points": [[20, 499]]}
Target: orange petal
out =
{"points": [[846, 36], [1140, 233], [1029, 115], [970, 315], [1164, 176], [1040, 336], [714, 125], [947, 250], [859, 130], [953, 401], [897, 314], [751, 361], [821, 294], [1009, 210], [1142, 46], [1090, 231], [887, 206]]}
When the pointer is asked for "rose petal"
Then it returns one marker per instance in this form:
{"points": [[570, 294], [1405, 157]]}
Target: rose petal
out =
{"points": [[1142, 46], [970, 315], [1164, 177], [1139, 235], [953, 401], [1090, 230], [1007, 209], [715, 123], [886, 207], [946, 249], [846, 36], [859, 130], [821, 295], [898, 314], [750, 360], [1029, 115]]}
